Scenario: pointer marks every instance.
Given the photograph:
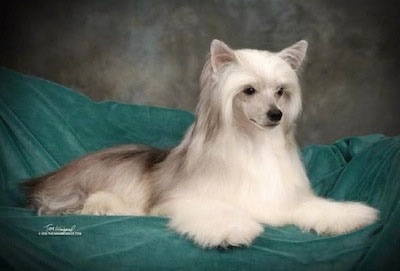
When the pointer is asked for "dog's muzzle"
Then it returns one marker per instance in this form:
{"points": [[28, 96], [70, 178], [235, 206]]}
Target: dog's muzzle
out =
{"points": [[273, 118]]}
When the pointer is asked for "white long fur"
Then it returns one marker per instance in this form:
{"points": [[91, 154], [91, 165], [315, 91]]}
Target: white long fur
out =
{"points": [[232, 172]]}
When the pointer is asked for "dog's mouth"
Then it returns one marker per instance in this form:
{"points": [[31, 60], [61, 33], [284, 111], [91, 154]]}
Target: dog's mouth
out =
{"points": [[269, 125]]}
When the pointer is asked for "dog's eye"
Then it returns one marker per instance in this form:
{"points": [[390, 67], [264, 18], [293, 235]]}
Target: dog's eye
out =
{"points": [[280, 91], [249, 91]]}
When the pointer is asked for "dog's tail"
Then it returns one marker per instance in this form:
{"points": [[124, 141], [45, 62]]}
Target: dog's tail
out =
{"points": [[117, 170], [49, 196]]}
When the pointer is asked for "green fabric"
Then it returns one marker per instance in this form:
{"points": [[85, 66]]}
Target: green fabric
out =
{"points": [[44, 125]]}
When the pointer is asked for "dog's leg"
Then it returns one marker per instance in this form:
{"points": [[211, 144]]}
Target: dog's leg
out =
{"points": [[105, 203], [212, 223], [329, 217]]}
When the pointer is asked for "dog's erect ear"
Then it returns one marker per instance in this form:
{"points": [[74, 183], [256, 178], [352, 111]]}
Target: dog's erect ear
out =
{"points": [[295, 54], [220, 54]]}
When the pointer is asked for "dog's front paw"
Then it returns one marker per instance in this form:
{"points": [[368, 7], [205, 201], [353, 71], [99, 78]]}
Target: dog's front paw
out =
{"points": [[347, 217], [328, 217], [219, 231]]}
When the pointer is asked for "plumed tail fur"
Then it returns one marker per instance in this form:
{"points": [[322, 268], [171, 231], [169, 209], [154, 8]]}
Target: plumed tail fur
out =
{"points": [[68, 189], [40, 196]]}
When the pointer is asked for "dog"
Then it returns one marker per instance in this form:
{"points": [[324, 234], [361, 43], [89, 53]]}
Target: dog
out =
{"points": [[237, 167]]}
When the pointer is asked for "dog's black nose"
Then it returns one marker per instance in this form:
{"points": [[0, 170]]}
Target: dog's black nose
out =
{"points": [[274, 115]]}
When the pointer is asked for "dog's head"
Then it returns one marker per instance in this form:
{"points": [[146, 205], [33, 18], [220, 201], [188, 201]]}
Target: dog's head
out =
{"points": [[258, 89]]}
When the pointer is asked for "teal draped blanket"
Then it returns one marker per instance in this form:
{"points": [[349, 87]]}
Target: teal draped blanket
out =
{"points": [[45, 125]]}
